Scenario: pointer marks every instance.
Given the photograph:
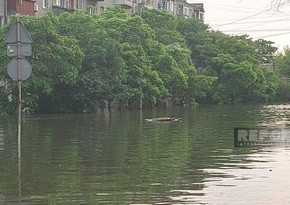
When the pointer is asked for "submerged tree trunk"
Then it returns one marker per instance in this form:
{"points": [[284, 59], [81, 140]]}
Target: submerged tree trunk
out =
{"points": [[110, 106]]}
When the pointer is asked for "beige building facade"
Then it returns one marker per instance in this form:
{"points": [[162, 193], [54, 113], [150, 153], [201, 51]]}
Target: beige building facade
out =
{"points": [[96, 7], [180, 8], [93, 7], [3, 11]]}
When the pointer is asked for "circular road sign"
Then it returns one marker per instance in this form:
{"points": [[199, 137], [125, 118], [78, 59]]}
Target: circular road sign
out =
{"points": [[25, 69]]}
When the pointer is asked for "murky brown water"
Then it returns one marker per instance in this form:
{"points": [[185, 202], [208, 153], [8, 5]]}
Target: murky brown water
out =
{"points": [[119, 158]]}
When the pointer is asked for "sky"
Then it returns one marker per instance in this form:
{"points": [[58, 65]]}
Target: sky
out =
{"points": [[253, 17]]}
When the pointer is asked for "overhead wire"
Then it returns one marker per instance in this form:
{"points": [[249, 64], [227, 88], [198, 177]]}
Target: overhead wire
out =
{"points": [[277, 34], [233, 22], [234, 9], [226, 5], [254, 20], [257, 30], [268, 21]]}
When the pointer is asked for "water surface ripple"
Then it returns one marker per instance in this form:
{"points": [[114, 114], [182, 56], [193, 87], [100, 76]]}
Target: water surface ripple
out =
{"points": [[120, 158]]}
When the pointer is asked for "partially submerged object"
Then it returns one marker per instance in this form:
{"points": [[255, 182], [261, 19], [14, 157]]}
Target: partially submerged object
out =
{"points": [[164, 119]]}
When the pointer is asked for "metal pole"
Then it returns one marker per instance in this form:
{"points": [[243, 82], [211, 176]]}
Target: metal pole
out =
{"points": [[19, 118], [19, 177], [19, 77], [19, 83], [140, 100]]}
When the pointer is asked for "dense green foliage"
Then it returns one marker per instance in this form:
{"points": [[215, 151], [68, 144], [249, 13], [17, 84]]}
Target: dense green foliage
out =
{"points": [[282, 67], [82, 63]]}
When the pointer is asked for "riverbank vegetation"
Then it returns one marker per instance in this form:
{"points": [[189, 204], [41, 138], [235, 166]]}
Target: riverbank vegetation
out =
{"points": [[82, 63]]}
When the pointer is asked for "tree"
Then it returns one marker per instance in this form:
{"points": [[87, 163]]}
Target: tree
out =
{"points": [[82, 62], [265, 50], [242, 82], [5, 90], [199, 88], [164, 24], [278, 3], [282, 62], [174, 79], [56, 64], [136, 39]]}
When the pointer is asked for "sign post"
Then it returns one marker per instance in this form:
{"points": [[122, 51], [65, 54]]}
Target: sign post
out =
{"points": [[19, 69]]}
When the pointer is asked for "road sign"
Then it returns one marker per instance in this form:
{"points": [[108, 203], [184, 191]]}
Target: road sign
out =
{"points": [[25, 69], [25, 50], [18, 28]]}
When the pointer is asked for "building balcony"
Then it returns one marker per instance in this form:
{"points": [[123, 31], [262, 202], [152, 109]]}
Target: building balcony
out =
{"points": [[57, 10], [26, 7], [127, 4]]}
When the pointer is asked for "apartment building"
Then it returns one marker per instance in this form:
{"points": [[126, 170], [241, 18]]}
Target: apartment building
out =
{"points": [[96, 7], [7, 7], [179, 8], [24, 7], [198, 11], [59, 6], [3, 11]]}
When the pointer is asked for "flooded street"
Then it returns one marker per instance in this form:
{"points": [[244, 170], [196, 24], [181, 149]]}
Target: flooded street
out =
{"points": [[120, 158]]}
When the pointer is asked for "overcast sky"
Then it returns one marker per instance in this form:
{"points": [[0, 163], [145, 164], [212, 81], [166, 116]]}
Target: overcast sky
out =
{"points": [[252, 17]]}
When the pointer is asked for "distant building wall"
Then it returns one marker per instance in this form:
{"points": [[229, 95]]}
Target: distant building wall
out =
{"points": [[24, 7], [39, 7], [178, 8], [59, 6], [2, 12], [96, 7]]}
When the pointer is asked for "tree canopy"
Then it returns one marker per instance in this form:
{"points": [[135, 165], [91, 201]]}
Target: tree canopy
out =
{"points": [[82, 63]]}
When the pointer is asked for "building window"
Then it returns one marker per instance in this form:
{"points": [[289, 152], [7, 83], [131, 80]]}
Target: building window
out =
{"points": [[179, 10], [102, 9], [174, 9], [163, 5], [91, 9], [66, 4], [57, 2], [71, 4], [201, 16], [45, 3], [80, 4], [62, 3]]}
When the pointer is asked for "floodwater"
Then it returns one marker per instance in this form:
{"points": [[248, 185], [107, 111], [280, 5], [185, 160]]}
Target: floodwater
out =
{"points": [[120, 158]]}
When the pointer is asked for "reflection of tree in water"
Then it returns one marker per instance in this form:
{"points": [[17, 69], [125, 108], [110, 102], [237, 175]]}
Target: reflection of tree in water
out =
{"points": [[1, 139], [8, 159], [108, 158], [118, 157], [211, 141]]}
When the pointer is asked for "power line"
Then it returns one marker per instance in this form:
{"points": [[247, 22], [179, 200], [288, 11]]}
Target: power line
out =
{"points": [[277, 34], [266, 36], [244, 18], [234, 8], [256, 18], [254, 22], [226, 5], [258, 30]]}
